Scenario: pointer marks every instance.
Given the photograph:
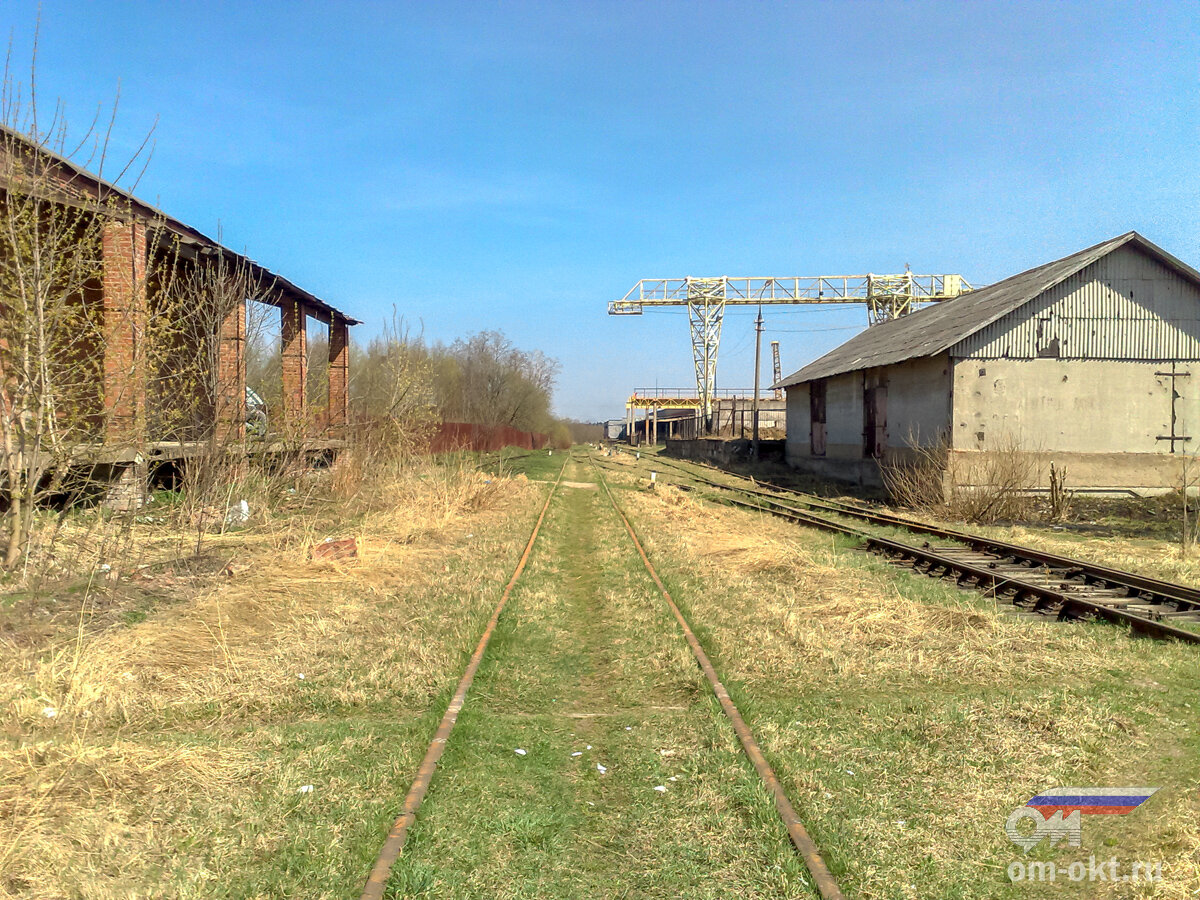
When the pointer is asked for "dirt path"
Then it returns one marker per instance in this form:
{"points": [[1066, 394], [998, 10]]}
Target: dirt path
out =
{"points": [[630, 784]]}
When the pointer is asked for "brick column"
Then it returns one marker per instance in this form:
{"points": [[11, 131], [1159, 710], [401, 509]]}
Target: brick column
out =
{"points": [[339, 375], [294, 329], [123, 245], [230, 401]]}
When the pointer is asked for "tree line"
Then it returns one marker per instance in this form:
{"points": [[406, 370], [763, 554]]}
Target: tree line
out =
{"points": [[400, 378]]}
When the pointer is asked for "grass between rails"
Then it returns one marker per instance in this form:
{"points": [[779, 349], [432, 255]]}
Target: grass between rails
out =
{"points": [[588, 661], [182, 735], [908, 719]]}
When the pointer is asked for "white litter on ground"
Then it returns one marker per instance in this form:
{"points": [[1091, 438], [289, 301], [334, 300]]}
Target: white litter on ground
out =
{"points": [[577, 753], [601, 769], [49, 712], [661, 788], [519, 752], [238, 514], [306, 789]]}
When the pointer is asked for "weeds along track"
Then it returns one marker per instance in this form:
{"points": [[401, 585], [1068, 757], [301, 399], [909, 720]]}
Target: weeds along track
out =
{"points": [[394, 843], [822, 877], [389, 865], [1032, 582]]}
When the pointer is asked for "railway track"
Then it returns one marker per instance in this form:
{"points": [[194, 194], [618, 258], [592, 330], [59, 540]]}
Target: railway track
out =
{"points": [[804, 844], [377, 881], [394, 843], [1032, 582]]}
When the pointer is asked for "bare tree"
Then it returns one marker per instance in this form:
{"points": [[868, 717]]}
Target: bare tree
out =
{"points": [[393, 386], [486, 380], [54, 225], [205, 312]]}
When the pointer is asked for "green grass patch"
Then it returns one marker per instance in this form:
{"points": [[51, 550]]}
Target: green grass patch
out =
{"points": [[588, 661]]}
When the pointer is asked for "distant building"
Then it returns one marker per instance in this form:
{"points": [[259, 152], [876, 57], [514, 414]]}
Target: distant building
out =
{"points": [[1091, 362]]}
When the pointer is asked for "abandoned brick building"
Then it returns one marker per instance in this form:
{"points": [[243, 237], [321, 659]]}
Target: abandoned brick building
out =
{"points": [[140, 250]]}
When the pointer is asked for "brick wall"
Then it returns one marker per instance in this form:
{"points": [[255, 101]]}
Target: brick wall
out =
{"points": [[124, 291], [231, 375], [294, 331], [466, 436], [339, 375]]}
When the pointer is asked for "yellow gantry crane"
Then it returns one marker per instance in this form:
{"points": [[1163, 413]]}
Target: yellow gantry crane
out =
{"points": [[885, 296]]}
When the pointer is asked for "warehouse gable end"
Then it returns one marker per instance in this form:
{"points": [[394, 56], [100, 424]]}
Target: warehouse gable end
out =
{"points": [[1091, 362], [941, 327], [1126, 305]]}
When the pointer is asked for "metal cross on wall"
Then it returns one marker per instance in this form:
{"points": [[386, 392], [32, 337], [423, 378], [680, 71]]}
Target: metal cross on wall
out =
{"points": [[1175, 396]]}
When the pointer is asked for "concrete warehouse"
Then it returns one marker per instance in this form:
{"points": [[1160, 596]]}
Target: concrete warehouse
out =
{"points": [[1089, 362]]}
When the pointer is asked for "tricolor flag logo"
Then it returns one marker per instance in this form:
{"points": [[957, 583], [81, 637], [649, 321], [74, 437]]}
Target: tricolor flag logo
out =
{"points": [[1091, 801], [1057, 813]]}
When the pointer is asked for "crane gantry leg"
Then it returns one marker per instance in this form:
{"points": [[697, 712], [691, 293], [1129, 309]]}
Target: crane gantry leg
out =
{"points": [[706, 311]]}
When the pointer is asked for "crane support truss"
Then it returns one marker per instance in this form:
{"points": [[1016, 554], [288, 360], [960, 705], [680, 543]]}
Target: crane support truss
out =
{"points": [[886, 297], [706, 311]]}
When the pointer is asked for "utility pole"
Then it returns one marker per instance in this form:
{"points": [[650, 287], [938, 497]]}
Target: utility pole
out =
{"points": [[758, 328], [778, 369]]}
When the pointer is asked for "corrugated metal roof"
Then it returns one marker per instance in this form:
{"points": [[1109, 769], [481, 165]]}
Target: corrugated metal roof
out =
{"points": [[185, 232], [937, 328]]}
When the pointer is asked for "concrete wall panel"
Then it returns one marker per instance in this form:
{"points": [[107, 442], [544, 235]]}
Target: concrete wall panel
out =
{"points": [[1074, 406], [918, 401], [844, 415], [799, 431]]}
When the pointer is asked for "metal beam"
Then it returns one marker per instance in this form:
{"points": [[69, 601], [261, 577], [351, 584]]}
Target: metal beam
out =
{"points": [[886, 297], [882, 292]]}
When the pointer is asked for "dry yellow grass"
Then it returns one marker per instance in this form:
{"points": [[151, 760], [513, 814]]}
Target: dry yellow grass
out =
{"points": [[120, 741], [882, 695]]}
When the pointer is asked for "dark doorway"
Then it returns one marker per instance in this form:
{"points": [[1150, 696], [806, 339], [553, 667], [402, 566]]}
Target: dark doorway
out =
{"points": [[874, 417], [816, 415]]}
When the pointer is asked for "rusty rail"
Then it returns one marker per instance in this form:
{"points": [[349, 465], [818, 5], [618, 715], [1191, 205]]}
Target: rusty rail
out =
{"points": [[1067, 606], [822, 877], [378, 878]]}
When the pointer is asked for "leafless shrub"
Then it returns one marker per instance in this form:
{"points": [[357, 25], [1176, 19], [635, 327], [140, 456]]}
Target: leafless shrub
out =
{"points": [[981, 486], [1060, 497], [1189, 531], [916, 479], [994, 484]]}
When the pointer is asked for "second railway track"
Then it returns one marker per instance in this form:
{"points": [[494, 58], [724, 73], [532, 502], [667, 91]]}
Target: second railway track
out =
{"points": [[1033, 582]]}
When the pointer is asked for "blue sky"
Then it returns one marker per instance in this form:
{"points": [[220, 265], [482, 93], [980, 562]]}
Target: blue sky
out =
{"points": [[515, 166]]}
